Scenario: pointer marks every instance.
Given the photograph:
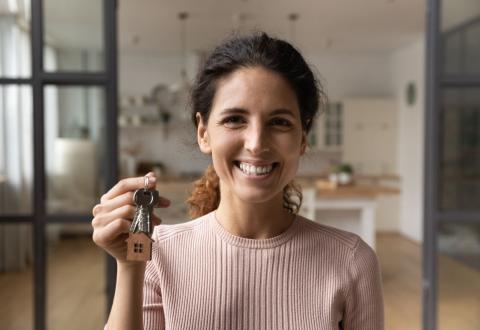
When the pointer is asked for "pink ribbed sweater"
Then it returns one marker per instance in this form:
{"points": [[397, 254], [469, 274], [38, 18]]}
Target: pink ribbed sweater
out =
{"points": [[309, 277]]}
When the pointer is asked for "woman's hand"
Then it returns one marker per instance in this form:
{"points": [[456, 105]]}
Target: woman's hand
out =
{"points": [[114, 214]]}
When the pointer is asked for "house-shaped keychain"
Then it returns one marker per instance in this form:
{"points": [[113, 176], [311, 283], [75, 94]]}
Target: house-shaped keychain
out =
{"points": [[139, 247], [139, 242]]}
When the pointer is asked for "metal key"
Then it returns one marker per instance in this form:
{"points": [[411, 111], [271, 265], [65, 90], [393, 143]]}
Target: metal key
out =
{"points": [[139, 242], [145, 201]]}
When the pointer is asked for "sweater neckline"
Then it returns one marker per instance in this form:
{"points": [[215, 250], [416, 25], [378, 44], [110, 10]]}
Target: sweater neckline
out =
{"points": [[252, 243]]}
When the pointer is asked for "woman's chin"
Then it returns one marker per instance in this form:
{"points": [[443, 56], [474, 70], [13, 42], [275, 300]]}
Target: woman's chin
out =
{"points": [[257, 196]]}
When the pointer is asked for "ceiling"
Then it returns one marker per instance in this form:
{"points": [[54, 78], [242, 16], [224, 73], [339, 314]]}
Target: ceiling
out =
{"points": [[323, 25]]}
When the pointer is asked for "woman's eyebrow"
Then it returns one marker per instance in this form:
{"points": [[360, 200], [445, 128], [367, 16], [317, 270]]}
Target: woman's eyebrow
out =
{"points": [[233, 110], [281, 111]]}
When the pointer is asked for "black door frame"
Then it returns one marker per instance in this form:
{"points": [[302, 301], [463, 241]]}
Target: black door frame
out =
{"points": [[436, 81], [39, 78]]}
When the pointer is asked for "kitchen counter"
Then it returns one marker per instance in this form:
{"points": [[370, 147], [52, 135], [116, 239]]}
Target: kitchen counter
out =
{"points": [[351, 207], [349, 191], [354, 191]]}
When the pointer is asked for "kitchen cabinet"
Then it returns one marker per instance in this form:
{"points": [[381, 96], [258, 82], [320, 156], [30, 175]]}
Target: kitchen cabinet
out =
{"points": [[327, 132], [370, 135]]}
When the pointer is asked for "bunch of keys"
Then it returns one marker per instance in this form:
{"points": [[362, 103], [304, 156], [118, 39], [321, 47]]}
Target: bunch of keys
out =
{"points": [[139, 241]]}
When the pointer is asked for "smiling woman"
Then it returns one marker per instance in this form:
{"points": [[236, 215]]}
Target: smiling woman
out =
{"points": [[262, 94], [247, 260], [254, 126]]}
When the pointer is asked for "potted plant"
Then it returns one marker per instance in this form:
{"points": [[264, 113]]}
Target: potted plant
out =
{"points": [[342, 174]]}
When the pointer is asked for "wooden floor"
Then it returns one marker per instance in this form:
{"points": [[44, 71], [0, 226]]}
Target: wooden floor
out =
{"points": [[76, 289]]}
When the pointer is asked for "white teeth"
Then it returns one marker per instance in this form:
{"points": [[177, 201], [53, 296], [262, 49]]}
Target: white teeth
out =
{"points": [[250, 169]]}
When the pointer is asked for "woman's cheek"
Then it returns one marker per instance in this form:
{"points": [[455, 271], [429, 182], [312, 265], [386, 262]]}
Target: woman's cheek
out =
{"points": [[292, 145]]}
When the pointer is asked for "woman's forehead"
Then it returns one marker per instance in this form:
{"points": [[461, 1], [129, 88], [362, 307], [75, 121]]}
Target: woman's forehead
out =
{"points": [[254, 88]]}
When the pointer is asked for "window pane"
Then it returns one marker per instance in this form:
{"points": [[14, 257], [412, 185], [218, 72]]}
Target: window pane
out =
{"points": [[76, 288], [457, 12], [16, 277], [16, 150], [74, 148], [461, 36], [15, 53], [460, 150], [451, 56], [73, 35], [472, 46], [458, 276]]}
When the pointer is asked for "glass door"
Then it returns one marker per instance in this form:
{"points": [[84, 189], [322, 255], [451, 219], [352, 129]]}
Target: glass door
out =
{"points": [[58, 155], [452, 228]]}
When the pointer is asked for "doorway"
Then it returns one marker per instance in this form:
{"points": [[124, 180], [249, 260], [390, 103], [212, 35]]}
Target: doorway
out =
{"points": [[451, 254]]}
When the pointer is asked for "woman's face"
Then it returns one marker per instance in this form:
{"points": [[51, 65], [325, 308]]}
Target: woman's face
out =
{"points": [[254, 134]]}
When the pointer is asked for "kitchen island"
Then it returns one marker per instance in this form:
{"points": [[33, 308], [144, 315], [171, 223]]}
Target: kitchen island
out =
{"points": [[350, 207]]}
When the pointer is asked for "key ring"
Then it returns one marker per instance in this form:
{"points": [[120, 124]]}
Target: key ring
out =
{"points": [[146, 182]]}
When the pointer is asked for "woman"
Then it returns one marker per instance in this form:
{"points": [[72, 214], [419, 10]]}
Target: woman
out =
{"points": [[246, 260]]}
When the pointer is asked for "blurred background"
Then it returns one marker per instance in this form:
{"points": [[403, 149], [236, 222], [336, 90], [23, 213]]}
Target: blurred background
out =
{"points": [[94, 91]]}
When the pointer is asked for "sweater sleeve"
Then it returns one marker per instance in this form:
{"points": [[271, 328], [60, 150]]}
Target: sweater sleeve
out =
{"points": [[153, 314], [364, 304]]}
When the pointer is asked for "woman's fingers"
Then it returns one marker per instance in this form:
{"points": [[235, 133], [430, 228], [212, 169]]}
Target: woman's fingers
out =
{"points": [[103, 219], [109, 233], [110, 205], [124, 199], [163, 202], [129, 184]]}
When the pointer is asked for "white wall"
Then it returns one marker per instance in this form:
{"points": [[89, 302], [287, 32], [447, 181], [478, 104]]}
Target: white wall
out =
{"points": [[139, 72], [408, 66], [354, 75]]}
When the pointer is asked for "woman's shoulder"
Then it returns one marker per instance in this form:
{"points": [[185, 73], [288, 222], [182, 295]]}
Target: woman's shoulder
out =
{"points": [[329, 234], [165, 232], [327, 238]]}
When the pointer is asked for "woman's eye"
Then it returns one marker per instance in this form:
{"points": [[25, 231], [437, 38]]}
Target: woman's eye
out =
{"points": [[281, 122], [233, 121]]}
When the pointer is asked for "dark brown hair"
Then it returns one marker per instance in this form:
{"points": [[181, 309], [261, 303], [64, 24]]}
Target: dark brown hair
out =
{"points": [[257, 49]]}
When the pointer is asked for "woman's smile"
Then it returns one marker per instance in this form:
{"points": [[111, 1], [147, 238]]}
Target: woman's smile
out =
{"points": [[256, 172]]}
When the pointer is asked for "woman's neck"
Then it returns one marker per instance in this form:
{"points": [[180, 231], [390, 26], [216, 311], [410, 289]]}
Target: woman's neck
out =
{"points": [[254, 220]]}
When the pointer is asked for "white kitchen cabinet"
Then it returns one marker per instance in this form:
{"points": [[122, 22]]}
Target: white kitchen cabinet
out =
{"points": [[370, 135], [327, 133]]}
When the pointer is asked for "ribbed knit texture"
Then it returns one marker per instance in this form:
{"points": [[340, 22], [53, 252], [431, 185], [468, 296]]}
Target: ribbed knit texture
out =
{"points": [[309, 277]]}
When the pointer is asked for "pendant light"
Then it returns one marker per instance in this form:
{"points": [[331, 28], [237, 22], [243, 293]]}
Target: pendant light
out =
{"points": [[293, 17], [182, 89]]}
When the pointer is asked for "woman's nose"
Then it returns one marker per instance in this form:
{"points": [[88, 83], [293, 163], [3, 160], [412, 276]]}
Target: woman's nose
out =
{"points": [[256, 140]]}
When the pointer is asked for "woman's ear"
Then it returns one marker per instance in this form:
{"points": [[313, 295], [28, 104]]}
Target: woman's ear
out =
{"points": [[202, 135], [303, 143]]}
